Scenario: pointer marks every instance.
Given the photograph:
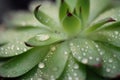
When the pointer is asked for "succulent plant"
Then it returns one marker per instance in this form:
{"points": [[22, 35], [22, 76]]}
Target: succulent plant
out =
{"points": [[69, 40]]}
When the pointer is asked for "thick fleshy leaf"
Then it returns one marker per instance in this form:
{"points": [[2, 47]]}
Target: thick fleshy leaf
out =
{"points": [[46, 39], [15, 39], [73, 70], [21, 19], [31, 75], [45, 19], [48, 7], [96, 11], [85, 51], [98, 25], [21, 64], [111, 59], [63, 10], [71, 4], [113, 13], [53, 65], [83, 10], [71, 24], [109, 33]]}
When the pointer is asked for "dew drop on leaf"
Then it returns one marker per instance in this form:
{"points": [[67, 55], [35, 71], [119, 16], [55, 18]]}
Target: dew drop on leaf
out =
{"points": [[39, 79], [41, 65], [76, 66], [42, 37], [84, 60], [108, 70], [53, 48]]}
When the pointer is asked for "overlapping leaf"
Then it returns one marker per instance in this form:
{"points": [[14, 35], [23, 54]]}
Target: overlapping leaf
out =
{"points": [[14, 41], [21, 64], [73, 70], [85, 51], [46, 39], [21, 19], [111, 59]]}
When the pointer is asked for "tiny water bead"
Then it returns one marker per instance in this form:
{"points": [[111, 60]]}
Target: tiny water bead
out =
{"points": [[108, 70], [41, 65], [76, 66], [42, 37], [53, 48]]}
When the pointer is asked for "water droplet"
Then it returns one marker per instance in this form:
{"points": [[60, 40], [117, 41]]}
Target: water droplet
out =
{"points": [[75, 74], [71, 44], [31, 78], [41, 65], [25, 49], [82, 49], [79, 57], [116, 32], [110, 60], [6, 53], [76, 78], [65, 52], [101, 53], [114, 67], [85, 61], [69, 78], [18, 48], [42, 37], [53, 48], [97, 59], [52, 77], [76, 66], [90, 58], [84, 54], [108, 70]]}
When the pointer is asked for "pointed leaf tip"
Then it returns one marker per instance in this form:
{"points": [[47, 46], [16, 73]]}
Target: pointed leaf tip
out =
{"points": [[111, 20], [69, 14]]}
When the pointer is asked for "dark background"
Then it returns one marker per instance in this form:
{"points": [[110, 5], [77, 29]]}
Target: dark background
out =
{"points": [[7, 5]]}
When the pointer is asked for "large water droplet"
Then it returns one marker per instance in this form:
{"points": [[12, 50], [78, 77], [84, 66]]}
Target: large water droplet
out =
{"points": [[85, 61], [41, 65], [42, 37]]}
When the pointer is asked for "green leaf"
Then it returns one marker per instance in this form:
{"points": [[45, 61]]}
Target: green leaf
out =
{"points": [[71, 4], [110, 65], [85, 51], [30, 75], [96, 11], [52, 69], [71, 24], [46, 39], [63, 10], [109, 33], [15, 39], [73, 70], [45, 19], [113, 13], [48, 7], [83, 7], [98, 25], [21, 64], [21, 19]]}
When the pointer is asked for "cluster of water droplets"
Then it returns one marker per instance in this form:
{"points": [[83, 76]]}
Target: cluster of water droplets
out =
{"points": [[84, 52]]}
